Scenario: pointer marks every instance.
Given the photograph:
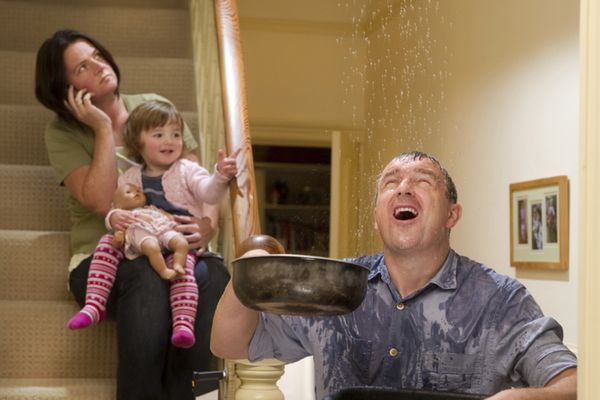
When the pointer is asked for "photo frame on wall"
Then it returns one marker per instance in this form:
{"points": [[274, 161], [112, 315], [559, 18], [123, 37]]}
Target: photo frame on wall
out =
{"points": [[539, 223]]}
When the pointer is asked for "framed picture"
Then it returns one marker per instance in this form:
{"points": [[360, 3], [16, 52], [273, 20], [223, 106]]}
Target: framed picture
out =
{"points": [[539, 223]]}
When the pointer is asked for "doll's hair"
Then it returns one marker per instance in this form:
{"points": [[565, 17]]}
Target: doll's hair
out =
{"points": [[149, 115]]}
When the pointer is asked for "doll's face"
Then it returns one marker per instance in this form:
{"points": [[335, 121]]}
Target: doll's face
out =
{"points": [[128, 197]]}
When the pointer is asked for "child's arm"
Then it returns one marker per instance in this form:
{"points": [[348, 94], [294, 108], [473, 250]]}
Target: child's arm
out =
{"points": [[211, 189]]}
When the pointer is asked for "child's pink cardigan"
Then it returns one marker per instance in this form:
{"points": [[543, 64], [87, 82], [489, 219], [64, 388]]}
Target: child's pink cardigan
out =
{"points": [[186, 185]]}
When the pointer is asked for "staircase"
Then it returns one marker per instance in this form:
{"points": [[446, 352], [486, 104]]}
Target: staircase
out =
{"points": [[150, 40]]}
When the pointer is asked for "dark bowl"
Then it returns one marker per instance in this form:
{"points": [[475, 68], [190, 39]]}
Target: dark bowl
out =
{"points": [[379, 393], [299, 285]]}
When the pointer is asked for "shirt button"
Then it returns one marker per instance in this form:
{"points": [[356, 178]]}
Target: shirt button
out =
{"points": [[400, 306], [394, 352]]}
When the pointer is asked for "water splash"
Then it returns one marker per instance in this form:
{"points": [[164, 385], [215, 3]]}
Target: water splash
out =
{"points": [[396, 71]]}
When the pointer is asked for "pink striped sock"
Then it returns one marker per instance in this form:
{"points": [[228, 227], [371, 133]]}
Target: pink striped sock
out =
{"points": [[184, 302], [101, 277]]}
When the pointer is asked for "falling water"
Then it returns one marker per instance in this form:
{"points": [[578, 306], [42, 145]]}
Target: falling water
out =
{"points": [[394, 81]]}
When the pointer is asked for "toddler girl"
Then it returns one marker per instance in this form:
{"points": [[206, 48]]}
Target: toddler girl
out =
{"points": [[153, 137]]}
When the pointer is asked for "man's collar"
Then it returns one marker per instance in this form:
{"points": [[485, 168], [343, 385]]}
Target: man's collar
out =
{"points": [[444, 279], [379, 268], [446, 276]]}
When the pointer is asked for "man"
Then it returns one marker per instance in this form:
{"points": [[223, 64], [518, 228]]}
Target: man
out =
{"points": [[431, 319]]}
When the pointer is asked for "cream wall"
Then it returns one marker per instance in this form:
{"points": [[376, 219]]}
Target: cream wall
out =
{"points": [[294, 77], [298, 80], [589, 276], [495, 97]]}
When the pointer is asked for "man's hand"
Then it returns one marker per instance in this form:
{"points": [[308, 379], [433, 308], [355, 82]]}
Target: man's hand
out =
{"points": [[562, 387], [255, 253]]}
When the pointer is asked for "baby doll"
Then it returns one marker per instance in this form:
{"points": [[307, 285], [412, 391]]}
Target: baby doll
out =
{"points": [[150, 234]]}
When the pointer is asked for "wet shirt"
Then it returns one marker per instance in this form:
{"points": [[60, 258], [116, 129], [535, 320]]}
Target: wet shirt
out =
{"points": [[469, 330]]}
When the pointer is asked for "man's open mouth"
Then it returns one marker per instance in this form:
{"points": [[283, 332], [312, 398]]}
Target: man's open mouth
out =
{"points": [[405, 213]]}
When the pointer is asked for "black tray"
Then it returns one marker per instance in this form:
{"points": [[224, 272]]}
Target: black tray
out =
{"points": [[377, 393]]}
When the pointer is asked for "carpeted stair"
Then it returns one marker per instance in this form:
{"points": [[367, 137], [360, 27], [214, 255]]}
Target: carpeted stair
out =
{"points": [[150, 40]]}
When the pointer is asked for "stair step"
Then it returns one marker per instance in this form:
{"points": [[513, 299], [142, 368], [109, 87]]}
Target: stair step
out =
{"points": [[32, 199], [160, 4], [22, 132], [34, 265], [39, 357], [169, 77], [172, 78], [122, 30], [57, 389], [35, 343]]}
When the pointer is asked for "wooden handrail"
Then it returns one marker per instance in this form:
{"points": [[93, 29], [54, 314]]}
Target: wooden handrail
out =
{"points": [[258, 381], [237, 130]]}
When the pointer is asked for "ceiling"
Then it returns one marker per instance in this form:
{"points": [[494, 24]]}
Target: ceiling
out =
{"points": [[322, 11]]}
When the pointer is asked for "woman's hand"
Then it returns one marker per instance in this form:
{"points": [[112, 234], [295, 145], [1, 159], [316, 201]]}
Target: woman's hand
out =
{"points": [[197, 231], [227, 166], [81, 106], [121, 219]]}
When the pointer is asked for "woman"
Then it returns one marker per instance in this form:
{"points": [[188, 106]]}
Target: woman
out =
{"points": [[78, 79]]}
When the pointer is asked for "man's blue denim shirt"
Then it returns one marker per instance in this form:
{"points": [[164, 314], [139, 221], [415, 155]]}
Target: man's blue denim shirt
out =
{"points": [[468, 330]]}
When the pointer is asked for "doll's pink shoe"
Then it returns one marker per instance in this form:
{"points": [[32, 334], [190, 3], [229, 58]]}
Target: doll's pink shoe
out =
{"points": [[183, 338]]}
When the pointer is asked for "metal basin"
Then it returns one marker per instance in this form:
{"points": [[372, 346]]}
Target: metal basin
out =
{"points": [[298, 284], [378, 393]]}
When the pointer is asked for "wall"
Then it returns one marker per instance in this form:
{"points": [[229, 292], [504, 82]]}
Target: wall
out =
{"points": [[293, 74], [491, 88], [589, 276]]}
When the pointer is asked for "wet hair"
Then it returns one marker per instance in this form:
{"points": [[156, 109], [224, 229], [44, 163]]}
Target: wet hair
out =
{"points": [[148, 115], [50, 72], [451, 192]]}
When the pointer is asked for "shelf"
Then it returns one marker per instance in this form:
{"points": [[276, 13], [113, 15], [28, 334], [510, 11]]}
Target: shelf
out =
{"points": [[293, 198], [295, 207], [274, 166]]}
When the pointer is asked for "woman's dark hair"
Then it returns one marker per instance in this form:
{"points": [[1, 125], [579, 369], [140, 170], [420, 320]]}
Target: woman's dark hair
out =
{"points": [[50, 77]]}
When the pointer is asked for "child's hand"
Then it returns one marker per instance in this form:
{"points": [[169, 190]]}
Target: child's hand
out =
{"points": [[227, 166], [121, 219]]}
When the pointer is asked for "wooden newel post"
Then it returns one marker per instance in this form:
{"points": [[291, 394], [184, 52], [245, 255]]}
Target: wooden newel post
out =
{"points": [[258, 381]]}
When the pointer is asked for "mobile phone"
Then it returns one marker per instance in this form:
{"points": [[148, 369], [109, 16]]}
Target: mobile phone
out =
{"points": [[66, 92]]}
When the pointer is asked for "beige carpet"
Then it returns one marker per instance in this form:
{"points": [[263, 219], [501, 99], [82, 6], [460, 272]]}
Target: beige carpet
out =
{"points": [[39, 357]]}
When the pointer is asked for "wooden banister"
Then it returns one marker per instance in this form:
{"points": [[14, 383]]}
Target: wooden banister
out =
{"points": [[258, 380], [237, 129]]}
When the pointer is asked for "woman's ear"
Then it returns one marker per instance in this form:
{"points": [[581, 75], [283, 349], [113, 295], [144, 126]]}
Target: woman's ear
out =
{"points": [[454, 215]]}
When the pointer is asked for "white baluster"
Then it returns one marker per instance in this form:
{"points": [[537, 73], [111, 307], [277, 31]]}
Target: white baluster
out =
{"points": [[259, 379]]}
